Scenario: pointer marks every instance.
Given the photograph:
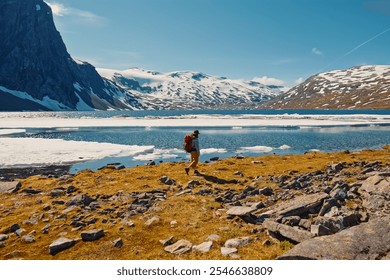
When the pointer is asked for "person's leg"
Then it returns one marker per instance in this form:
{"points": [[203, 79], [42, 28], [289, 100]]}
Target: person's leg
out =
{"points": [[193, 163], [194, 160]]}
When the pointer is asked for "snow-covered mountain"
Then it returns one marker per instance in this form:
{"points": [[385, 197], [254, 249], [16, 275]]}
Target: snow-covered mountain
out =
{"points": [[189, 90], [362, 87], [38, 73]]}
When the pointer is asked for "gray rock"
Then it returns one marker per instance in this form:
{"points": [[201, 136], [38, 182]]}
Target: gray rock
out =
{"points": [[3, 237], [10, 187], [31, 191], [80, 200], [238, 242], [369, 240], [152, 221], [184, 192], [213, 237], [299, 205], [28, 239], [328, 204], [167, 242], [167, 181], [228, 251], [117, 243], [180, 247], [334, 224], [305, 223], [60, 244], [92, 235], [240, 211], [57, 192], [294, 234], [376, 184], [203, 247], [192, 184], [375, 203], [320, 230]]}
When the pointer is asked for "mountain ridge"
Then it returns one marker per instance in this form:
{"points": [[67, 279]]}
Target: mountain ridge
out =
{"points": [[359, 87], [189, 89]]}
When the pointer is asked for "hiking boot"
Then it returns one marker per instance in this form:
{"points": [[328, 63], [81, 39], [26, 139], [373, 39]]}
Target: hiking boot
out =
{"points": [[186, 170]]}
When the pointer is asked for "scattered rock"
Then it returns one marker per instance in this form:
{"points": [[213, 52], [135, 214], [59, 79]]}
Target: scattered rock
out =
{"points": [[213, 237], [228, 251], [299, 205], [204, 247], [28, 239], [167, 181], [180, 247], [92, 235], [117, 243], [152, 221], [240, 211], [10, 187], [60, 244], [3, 237], [294, 234], [167, 242], [238, 242]]}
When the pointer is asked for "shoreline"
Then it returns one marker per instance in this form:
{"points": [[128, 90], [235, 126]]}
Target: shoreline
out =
{"points": [[56, 171], [10, 174]]}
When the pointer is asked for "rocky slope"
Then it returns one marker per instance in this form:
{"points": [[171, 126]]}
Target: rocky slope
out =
{"points": [[312, 206], [362, 87], [190, 90]]}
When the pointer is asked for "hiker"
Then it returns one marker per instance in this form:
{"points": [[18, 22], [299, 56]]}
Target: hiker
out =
{"points": [[194, 150]]}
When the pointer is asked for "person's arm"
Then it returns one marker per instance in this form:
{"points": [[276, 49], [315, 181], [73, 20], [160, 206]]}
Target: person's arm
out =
{"points": [[196, 145]]}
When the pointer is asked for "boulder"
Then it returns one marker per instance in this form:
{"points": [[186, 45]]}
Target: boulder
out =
{"points": [[238, 242], [92, 235], [367, 241], [180, 247], [60, 244], [240, 210], [294, 234], [228, 251], [299, 205], [10, 187], [204, 247]]}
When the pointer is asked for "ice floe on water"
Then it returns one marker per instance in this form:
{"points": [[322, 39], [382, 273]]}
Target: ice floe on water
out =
{"points": [[4, 132], [237, 122], [19, 152]]}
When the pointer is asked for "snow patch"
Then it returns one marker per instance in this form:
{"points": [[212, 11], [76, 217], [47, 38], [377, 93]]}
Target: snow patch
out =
{"points": [[46, 101], [18, 152], [255, 149]]}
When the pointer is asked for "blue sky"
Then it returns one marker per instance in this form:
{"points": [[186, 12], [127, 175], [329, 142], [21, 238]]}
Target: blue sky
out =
{"points": [[281, 41]]}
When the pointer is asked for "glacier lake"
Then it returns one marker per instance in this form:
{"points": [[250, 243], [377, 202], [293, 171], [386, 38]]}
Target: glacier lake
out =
{"points": [[142, 136]]}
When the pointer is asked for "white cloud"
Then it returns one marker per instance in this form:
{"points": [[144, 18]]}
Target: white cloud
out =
{"points": [[316, 51], [299, 81], [60, 10], [269, 81]]}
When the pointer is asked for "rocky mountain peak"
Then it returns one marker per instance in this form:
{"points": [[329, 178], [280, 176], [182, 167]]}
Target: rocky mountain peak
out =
{"points": [[36, 70]]}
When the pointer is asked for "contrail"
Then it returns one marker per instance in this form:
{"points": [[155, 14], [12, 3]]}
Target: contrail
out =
{"points": [[356, 48], [366, 42]]}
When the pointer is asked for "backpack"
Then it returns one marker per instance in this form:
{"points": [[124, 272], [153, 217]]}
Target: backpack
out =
{"points": [[187, 143]]}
